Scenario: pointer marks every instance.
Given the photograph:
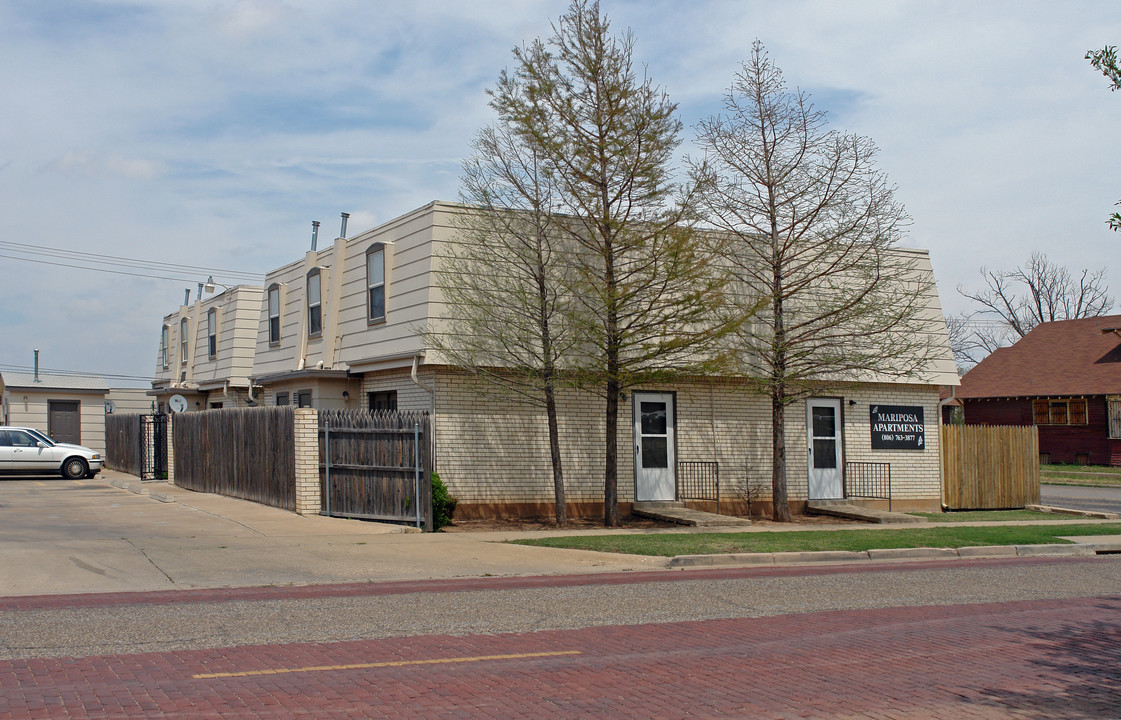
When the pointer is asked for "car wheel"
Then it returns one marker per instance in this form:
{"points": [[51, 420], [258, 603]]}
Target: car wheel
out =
{"points": [[74, 468]]}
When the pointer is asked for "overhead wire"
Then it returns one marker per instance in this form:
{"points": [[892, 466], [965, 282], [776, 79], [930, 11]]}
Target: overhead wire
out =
{"points": [[71, 373], [155, 266]]}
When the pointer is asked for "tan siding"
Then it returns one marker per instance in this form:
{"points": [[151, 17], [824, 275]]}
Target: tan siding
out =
{"points": [[131, 400], [33, 413]]}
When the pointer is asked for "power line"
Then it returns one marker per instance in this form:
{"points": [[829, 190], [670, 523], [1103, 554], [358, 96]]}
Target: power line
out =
{"points": [[72, 373], [104, 270], [137, 263]]}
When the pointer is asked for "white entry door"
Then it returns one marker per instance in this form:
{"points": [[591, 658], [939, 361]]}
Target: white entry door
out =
{"points": [[653, 447], [823, 430]]}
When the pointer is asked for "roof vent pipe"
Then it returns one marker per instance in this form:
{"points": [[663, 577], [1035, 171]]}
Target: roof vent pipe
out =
{"points": [[314, 234], [198, 295], [186, 296], [36, 365], [342, 230]]}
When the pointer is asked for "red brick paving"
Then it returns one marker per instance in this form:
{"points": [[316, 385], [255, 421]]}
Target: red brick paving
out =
{"points": [[1035, 659], [403, 587]]}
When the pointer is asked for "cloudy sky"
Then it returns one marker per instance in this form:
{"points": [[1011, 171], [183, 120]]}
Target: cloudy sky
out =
{"points": [[209, 134]]}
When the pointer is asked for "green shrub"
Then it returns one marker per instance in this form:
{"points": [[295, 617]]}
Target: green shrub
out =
{"points": [[443, 504]]}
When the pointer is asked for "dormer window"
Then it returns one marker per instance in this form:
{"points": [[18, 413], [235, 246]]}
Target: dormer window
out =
{"points": [[314, 304], [212, 333], [375, 283], [183, 341], [274, 314]]}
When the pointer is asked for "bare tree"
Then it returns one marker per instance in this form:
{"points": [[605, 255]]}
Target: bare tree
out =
{"points": [[961, 341], [1017, 300], [1105, 62], [504, 283], [813, 224], [643, 284], [973, 337]]}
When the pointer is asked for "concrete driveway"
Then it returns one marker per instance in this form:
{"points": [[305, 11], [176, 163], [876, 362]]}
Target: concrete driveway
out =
{"points": [[63, 536]]}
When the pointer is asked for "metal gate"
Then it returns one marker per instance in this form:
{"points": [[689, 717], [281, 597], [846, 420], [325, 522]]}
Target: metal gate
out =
{"points": [[375, 465], [153, 447]]}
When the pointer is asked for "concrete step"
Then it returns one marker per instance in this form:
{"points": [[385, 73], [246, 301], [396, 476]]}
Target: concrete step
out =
{"points": [[852, 511], [676, 512]]}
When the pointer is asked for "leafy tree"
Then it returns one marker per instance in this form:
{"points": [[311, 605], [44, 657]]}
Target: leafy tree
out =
{"points": [[504, 283], [643, 284], [1015, 301], [812, 224], [1105, 61]]}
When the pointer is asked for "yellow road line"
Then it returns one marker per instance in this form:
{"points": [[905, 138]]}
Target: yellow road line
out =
{"points": [[394, 663]]}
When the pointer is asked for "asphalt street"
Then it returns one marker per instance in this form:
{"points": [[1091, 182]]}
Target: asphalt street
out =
{"points": [[923, 643], [118, 604], [81, 625], [1075, 497]]}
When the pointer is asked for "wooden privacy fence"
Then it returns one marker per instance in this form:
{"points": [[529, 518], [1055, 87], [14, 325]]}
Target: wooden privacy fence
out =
{"points": [[247, 453], [989, 467], [122, 442], [376, 465]]}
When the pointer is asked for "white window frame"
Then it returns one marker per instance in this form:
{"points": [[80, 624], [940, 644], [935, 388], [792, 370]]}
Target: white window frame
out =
{"points": [[184, 328], [165, 351], [274, 313], [375, 285], [212, 333], [314, 304]]}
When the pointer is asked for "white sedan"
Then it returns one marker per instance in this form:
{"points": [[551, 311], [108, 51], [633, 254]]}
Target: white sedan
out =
{"points": [[26, 451]]}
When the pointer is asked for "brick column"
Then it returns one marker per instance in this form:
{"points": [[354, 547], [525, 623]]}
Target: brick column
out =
{"points": [[307, 461], [171, 449]]}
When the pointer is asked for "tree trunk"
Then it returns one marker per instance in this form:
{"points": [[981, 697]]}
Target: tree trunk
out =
{"points": [[779, 499], [611, 468], [554, 449]]}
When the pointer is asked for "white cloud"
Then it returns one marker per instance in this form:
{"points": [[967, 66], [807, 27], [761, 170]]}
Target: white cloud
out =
{"points": [[213, 133], [93, 165]]}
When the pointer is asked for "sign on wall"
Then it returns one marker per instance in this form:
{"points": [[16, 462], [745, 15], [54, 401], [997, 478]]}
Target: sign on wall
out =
{"points": [[897, 427]]}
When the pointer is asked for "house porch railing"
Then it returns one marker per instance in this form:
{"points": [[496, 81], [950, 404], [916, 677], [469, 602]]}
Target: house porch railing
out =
{"points": [[699, 480], [868, 480]]}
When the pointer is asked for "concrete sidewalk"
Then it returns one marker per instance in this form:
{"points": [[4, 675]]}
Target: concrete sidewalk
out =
{"points": [[115, 534]]}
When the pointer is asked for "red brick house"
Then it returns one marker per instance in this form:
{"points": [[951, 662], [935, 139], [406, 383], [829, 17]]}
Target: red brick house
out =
{"points": [[1065, 378]]}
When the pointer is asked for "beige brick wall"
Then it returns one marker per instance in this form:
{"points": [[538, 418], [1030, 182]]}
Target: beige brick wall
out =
{"points": [[307, 461], [494, 449], [171, 449]]}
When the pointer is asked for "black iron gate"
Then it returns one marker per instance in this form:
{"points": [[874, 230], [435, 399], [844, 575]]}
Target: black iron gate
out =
{"points": [[153, 447]]}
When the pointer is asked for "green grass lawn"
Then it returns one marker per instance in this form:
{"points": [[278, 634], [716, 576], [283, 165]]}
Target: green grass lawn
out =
{"points": [[1086, 475], [670, 545], [1099, 469]]}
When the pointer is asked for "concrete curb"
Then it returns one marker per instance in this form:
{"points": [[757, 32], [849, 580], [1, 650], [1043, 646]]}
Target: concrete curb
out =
{"points": [[141, 489], [1067, 511], [889, 554], [1063, 550]]}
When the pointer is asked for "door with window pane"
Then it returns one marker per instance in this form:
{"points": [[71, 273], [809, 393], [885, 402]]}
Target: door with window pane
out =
{"points": [[654, 447], [823, 431]]}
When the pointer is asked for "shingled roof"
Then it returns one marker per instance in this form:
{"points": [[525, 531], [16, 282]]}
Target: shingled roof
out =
{"points": [[1064, 358]]}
